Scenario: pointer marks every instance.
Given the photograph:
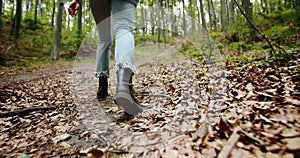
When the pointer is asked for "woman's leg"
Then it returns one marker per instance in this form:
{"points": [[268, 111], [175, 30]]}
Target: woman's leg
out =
{"points": [[123, 16], [101, 10], [123, 21]]}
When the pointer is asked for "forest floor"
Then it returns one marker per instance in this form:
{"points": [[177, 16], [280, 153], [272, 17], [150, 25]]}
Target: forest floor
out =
{"points": [[191, 109]]}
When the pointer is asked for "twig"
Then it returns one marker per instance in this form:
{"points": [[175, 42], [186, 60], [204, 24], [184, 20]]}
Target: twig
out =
{"points": [[263, 35], [233, 139], [25, 111], [247, 135]]}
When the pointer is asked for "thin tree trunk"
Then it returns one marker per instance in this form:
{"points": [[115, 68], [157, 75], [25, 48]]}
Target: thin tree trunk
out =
{"points": [[248, 11], [183, 18], [297, 7], [36, 11], [152, 18], [40, 8], [163, 23], [18, 18], [79, 24], [214, 16], [210, 17], [231, 15], [53, 13], [1, 2], [202, 14], [192, 14], [12, 19], [57, 34], [223, 16], [158, 10], [143, 19]]}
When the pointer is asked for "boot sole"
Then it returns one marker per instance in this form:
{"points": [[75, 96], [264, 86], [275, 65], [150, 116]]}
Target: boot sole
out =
{"points": [[125, 101]]}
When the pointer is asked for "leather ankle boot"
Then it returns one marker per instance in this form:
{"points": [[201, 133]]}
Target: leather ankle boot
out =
{"points": [[102, 89], [124, 96]]}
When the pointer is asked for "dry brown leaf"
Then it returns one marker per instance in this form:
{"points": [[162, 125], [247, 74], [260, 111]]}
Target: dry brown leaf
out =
{"points": [[61, 137], [292, 144]]}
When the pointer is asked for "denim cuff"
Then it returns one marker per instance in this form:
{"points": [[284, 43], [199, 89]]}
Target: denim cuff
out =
{"points": [[125, 65], [102, 74]]}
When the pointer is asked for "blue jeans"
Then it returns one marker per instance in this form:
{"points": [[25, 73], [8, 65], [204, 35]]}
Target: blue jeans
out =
{"points": [[122, 22]]}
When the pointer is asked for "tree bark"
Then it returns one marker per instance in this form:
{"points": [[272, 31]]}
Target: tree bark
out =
{"points": [[248, 11], [210, 17], [36, 11], [192, 15], [231, 15], [53, 14], [297, 7], [57, 34], [1, 3], [183, 18], [17, 19], [158, 10], [202, 14], [79, 24], [223, 16], [214, 16]]}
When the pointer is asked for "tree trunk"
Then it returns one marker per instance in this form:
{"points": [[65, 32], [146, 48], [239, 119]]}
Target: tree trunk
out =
{"points": [[79, 24], [164, 28], [12, 19], [248, 11], [152, 18], [210, 17], [17, 19], [40, 8], [53, 13], [57, 34], [158, 22], [143, 19], [36, 11], [192, 15], [231, 15], [1, 8], [214, 16], [202, 14], [183, 18], [297, 7], [223, 16]]}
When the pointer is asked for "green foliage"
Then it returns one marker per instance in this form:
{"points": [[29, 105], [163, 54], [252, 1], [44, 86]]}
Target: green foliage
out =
{"points": [[144, 39], [33, 48], [262, 58], [240, 46]]}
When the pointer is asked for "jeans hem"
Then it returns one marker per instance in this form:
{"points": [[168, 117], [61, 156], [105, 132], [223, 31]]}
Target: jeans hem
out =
{"points": [[125, 65], [102, 74]]}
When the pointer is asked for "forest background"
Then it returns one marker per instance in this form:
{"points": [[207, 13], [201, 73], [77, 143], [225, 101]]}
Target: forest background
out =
{"points": [[35, 34]]}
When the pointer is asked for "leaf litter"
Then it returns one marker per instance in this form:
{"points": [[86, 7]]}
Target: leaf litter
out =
{"points": [[187, 113]]}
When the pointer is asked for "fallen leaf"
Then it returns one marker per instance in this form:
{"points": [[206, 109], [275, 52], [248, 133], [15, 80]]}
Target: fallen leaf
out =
{"points": [[61, 138], [292, 144]]}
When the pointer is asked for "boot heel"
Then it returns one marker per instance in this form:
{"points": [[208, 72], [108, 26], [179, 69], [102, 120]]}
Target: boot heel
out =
{"points": [[125, 101]]}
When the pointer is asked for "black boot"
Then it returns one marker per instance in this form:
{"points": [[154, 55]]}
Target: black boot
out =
{"points": [[102, 88], [124, 96]]}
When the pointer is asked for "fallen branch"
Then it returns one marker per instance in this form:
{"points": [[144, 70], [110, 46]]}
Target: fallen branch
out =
{"points": [[256, 140], [25, 111], [233, 139]]}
